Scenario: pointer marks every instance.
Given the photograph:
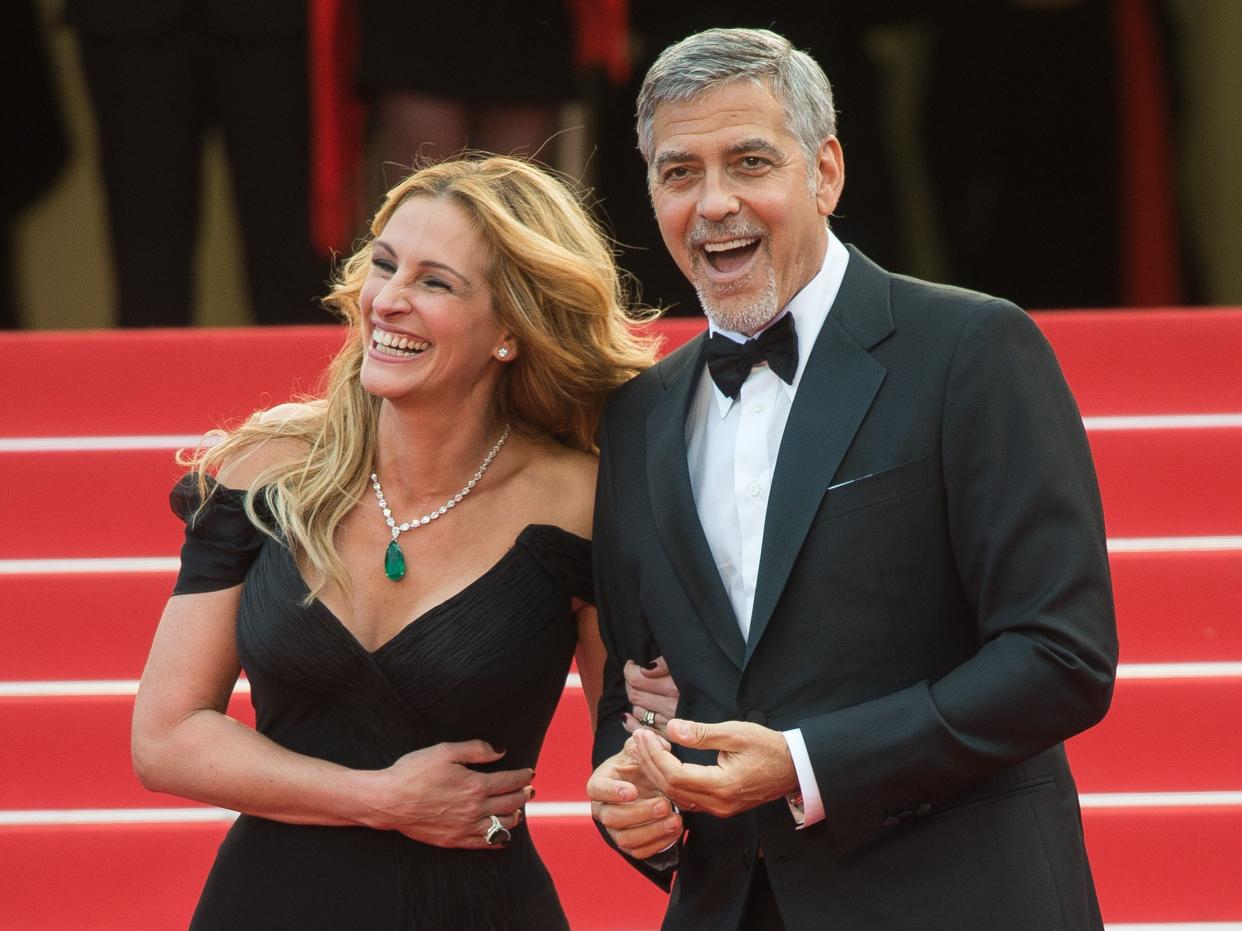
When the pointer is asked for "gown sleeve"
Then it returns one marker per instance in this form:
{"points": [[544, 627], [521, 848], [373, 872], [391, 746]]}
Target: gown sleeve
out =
{"points": [[220, 539], [565, 556]]}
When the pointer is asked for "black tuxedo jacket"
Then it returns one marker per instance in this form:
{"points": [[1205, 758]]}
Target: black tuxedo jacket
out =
{"points": [[933, 610]]}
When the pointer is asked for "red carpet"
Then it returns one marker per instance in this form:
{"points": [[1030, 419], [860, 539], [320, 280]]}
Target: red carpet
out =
{"points": [[1161, 777]]}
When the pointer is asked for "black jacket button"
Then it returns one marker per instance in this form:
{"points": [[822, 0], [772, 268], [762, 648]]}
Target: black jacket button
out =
{"points": [[922, 809], [890, 822]]}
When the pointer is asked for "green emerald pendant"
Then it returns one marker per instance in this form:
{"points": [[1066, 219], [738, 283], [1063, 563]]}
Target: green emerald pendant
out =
{"points": [[394, 562]]}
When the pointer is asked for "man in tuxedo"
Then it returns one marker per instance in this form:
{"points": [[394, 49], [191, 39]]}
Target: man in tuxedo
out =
{"points": [[860, 522]]}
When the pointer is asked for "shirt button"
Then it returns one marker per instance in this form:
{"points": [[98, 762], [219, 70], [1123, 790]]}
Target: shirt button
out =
{"points": [[758, 408], [753, 489]]}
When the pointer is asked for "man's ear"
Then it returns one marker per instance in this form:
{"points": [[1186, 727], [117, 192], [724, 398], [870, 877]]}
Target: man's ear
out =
{"points": [[830, 170]]}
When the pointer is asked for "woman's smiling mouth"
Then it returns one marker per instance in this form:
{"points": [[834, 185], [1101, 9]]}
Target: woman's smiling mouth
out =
{"points": [[395, 344]]}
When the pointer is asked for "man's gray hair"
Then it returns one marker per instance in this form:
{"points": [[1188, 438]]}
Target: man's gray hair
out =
{"points": [[710, 59]]}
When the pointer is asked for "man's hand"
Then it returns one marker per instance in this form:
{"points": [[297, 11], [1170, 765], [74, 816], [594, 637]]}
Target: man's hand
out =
{"points": [[640, 820], [753, 766]]}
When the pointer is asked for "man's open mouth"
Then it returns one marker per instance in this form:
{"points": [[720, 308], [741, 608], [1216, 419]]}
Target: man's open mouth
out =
{"points": [[732, 255]]}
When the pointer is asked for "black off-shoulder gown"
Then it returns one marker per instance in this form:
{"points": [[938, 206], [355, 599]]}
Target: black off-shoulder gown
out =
{"points": [[488, 663]]}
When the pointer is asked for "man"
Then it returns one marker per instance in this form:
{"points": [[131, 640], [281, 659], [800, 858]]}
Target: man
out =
{"points": [[867, 542]]}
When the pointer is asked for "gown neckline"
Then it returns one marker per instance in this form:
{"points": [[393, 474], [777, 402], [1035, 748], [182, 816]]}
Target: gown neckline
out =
{"points": [[431, 612]]}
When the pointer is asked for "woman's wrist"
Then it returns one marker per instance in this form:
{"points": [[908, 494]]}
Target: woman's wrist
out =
{"points": [[368, 794]]}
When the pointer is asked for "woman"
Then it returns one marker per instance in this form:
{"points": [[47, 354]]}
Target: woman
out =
{"points": [[400, 568]]}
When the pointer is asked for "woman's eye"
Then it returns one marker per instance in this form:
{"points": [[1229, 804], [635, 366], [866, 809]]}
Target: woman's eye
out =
{"points": [[437, 284], [383, 265]]}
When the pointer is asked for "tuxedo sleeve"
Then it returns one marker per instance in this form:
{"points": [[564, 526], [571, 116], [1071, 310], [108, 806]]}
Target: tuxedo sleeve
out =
{"points": [[623, 629], [1027, 536]]}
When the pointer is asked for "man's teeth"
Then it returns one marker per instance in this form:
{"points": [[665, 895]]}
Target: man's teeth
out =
{"points": [[731, 244], [397, 345]]}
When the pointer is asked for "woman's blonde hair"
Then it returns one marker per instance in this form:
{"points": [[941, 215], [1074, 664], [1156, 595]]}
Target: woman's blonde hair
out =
{"points": [[554, 285]]}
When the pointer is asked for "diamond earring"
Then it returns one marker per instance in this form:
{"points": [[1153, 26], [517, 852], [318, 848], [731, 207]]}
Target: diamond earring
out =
{"points": [[503, 352]]}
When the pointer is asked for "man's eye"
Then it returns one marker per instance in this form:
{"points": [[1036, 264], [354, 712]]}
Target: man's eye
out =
{"points": [[679, 173], [753, 162]]}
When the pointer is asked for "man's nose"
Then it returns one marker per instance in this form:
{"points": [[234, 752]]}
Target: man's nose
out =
{"points": [[717, 199]]}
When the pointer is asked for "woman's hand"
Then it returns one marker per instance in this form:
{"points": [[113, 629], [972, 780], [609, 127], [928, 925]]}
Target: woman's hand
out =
{"points": [[650, 688], [432, 796]]}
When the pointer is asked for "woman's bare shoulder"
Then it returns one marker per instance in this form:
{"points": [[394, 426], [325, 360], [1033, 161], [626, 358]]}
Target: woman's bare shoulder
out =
{"points": [[243, 467], [561, 482]]}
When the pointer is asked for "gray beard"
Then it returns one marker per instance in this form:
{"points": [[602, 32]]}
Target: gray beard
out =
{"points": [[747, 318]]}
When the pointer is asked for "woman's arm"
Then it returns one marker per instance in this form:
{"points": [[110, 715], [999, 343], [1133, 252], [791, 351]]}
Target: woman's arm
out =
{"points": [[185, 744], [589, 656]]}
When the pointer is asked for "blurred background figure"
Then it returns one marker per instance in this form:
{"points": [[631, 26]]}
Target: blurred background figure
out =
{"points": [[1020, 147], [1067, 153], [37, 150], [160, 77], [440, 77]]}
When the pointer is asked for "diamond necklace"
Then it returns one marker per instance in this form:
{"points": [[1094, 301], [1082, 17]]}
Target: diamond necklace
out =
{"points": [[394, 559]]}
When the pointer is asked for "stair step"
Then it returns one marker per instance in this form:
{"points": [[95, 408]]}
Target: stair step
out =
{"points": [[1164, 735], [1154, 483], [95, 625], [172, 381], [1172, 607], [1178, 607], [1116, 363], [1176, 735], [1149, 362], [1169, 482], [1150, 865], [128, 514]]}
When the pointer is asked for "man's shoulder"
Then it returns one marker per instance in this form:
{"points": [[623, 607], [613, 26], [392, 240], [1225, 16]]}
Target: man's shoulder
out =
{"points": [[935, 310], [937, 320], [954, 300], [876, 302], [649, 386]]}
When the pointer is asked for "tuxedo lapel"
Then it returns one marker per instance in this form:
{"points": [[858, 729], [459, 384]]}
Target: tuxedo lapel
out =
{"points": [[836, 390], [673, 508]]}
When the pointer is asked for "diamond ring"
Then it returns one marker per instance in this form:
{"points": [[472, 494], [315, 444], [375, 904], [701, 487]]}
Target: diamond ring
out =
{"points": [[496, 830]]}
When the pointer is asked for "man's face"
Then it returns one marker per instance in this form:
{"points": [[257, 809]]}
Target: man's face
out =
{"points": [[738, 210]]}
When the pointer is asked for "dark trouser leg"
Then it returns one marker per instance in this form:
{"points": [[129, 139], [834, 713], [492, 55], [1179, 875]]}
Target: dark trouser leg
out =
{"points": [[760, 913], [263, 98], [151, 115]]}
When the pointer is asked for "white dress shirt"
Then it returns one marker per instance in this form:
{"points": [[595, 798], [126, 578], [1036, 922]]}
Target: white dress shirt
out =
{"points": [[731, 449]]}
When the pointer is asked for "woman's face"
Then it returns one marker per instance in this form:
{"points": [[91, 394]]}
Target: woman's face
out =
{"points": [[428, 328]]}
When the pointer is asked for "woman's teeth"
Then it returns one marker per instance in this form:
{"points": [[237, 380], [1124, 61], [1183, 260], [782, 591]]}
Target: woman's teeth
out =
{"points": [[394, 344]]}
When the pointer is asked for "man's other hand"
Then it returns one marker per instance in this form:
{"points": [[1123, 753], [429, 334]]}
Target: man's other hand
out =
{"points": [[753, 766], [640, 820]]}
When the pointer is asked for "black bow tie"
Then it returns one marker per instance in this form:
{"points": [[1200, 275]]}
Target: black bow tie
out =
{"points": [[730, 363]]}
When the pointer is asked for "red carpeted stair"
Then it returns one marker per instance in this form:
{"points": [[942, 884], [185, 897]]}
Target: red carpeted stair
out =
{"points": [[88, 552]]}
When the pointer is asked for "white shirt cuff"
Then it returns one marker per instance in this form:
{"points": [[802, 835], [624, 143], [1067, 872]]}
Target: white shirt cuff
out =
{"points": [[806, 807]]}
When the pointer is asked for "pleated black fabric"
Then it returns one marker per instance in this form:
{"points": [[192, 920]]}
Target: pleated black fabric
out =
{"points": [[488, 663]]}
